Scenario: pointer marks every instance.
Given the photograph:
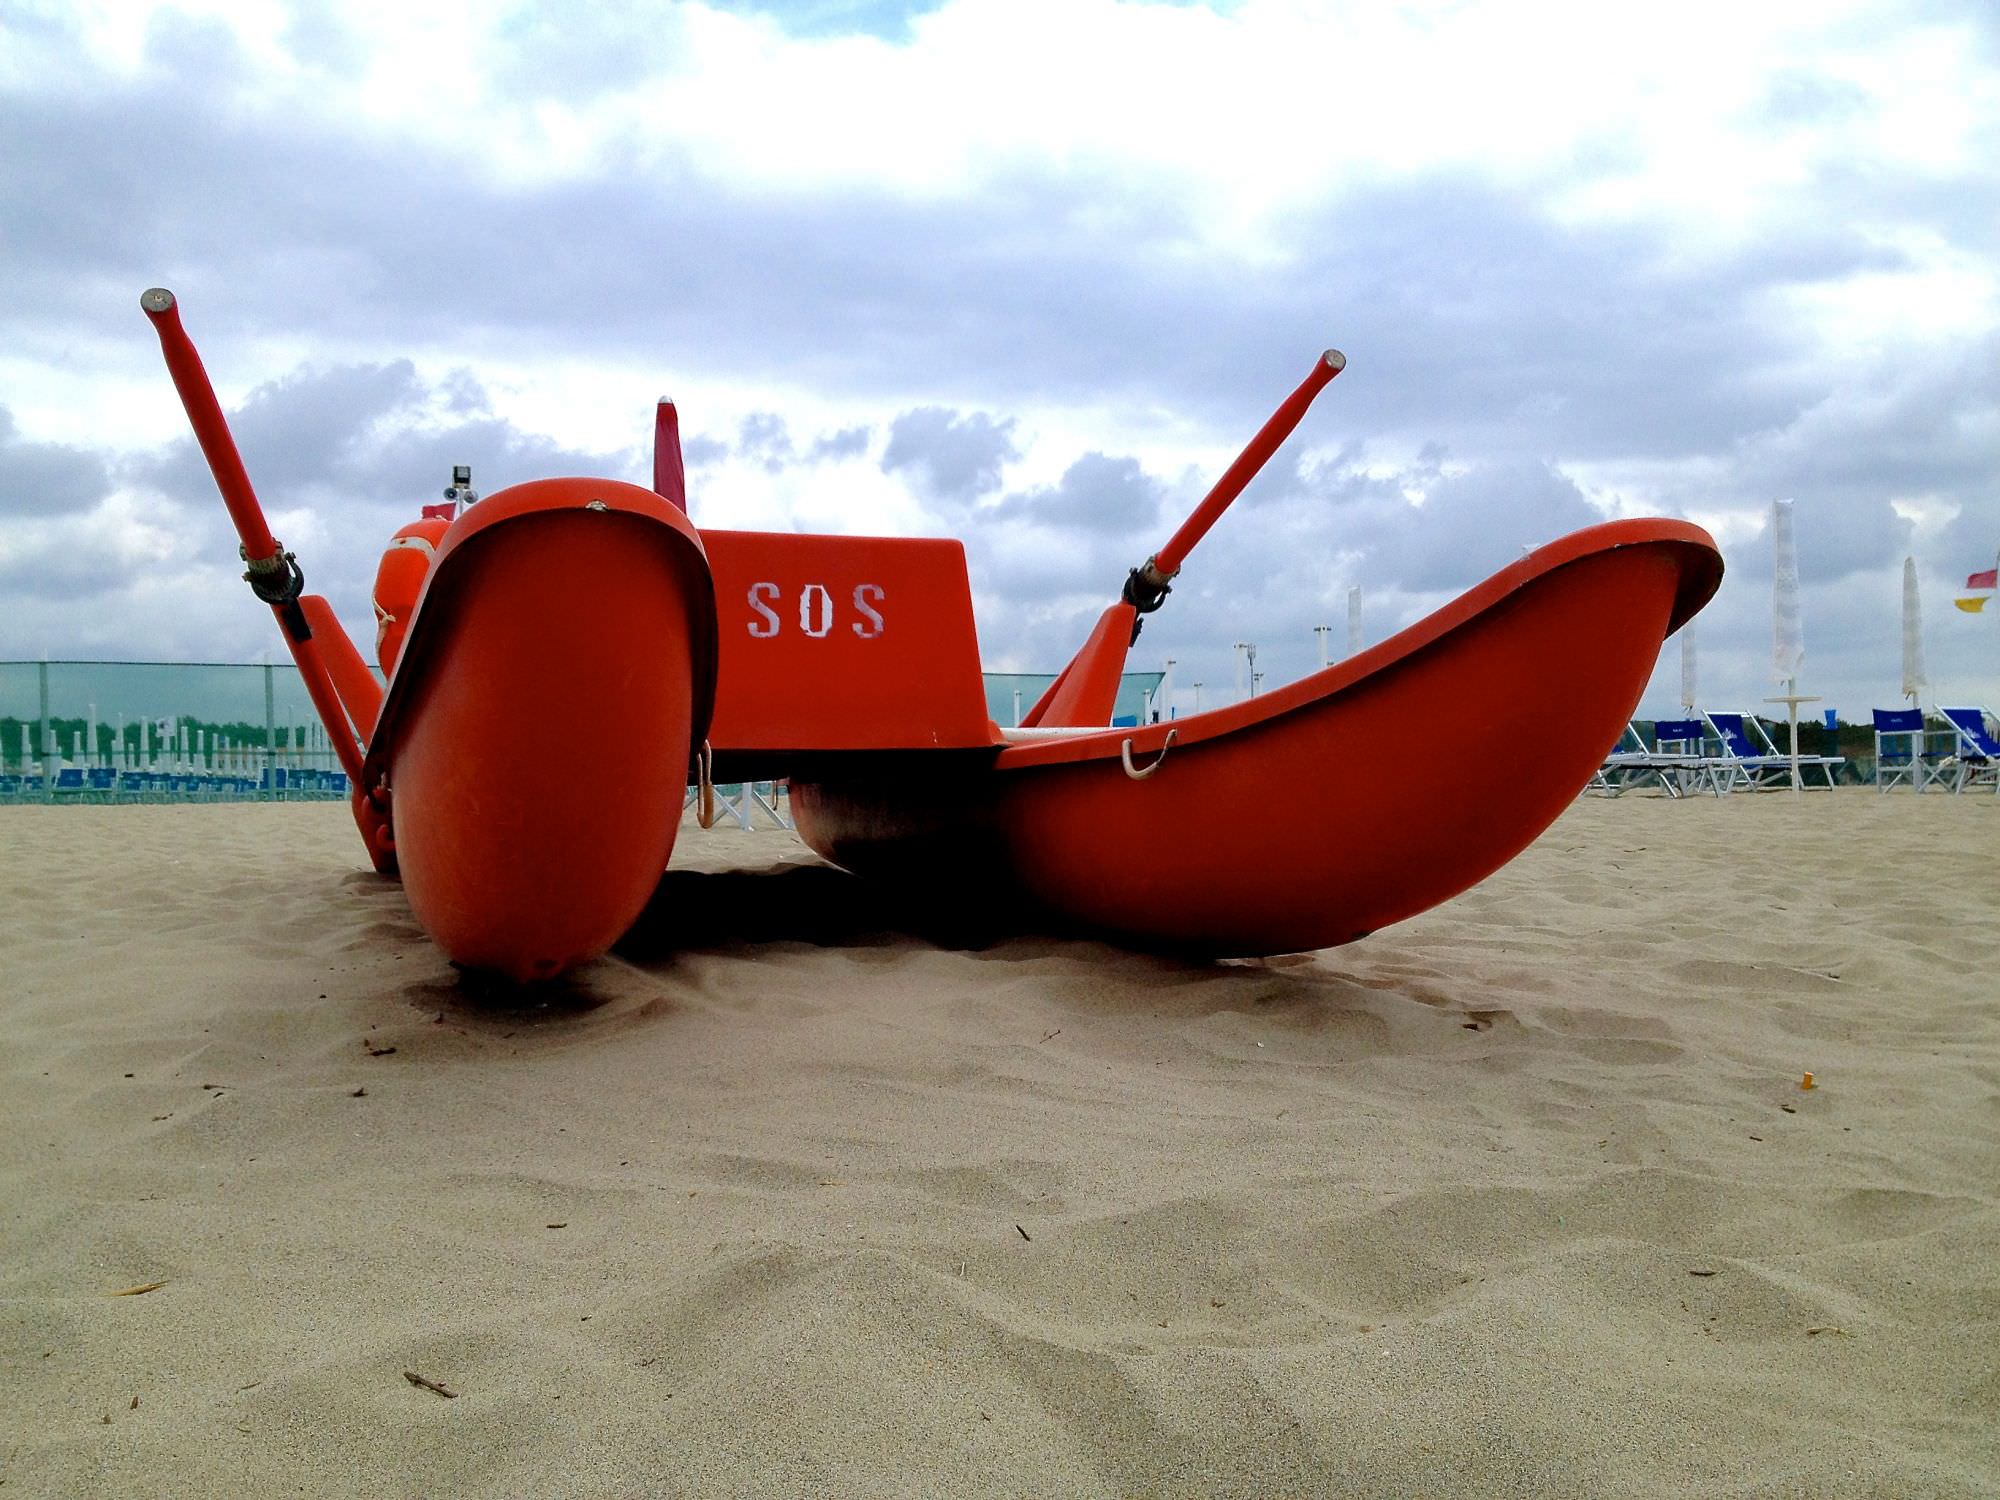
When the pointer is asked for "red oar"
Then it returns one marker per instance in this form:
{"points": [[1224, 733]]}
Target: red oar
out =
{"points": [[1147, 586], [273, 573], [1086, 689]]}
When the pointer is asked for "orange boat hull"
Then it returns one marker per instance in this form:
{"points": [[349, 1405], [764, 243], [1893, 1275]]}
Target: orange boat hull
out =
{"points": [[1319, 813], [524, 768], [536, 736]]}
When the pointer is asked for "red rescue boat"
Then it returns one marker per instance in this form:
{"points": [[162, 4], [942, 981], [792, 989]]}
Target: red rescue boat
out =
{"points": [[1147, 833], [564, 613]]}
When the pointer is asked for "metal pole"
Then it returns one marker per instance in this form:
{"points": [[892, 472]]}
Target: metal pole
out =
{"points": [[48, 738], [1792, 711], [268, 780]]}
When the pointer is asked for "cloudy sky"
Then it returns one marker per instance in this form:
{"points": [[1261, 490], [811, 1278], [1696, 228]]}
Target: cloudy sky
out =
{"points": [[1027, 272]]}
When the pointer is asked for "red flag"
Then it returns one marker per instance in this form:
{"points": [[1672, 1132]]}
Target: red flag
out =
{"points": [[441, 512], [1987, 580]]}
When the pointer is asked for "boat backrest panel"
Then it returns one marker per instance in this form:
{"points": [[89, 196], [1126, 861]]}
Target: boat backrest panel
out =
{"points": [[843, 643]]}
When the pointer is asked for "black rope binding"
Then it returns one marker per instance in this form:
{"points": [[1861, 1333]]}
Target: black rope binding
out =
{"points": [[1145, 591], [278, 581]]}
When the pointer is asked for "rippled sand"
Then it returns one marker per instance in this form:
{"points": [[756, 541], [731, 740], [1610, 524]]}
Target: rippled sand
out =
{"points": [[1520, 1197]]}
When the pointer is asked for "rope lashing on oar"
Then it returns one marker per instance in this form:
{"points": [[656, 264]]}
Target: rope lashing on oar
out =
{"points": [[278, 581], [1125, 754]]}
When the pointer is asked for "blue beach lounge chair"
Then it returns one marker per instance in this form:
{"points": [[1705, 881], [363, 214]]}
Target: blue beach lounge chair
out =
{"points": [[1900, 756], [1975, 757], [1752, 758]]}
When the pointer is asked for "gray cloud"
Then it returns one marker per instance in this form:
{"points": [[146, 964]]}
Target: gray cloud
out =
{"points": [[302, 429], [360, 447], [764, 437], [1834, 540], [39, 479], [701, 449], [1470, 524], [1096, 493], [369, 441], [849, 442], [1506, 349], [1457, 305], [952, 457]]}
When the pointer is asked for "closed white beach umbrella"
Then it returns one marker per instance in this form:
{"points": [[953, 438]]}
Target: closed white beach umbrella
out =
{"points": [[1354, 620], [1688, 668], [1915, 678], [1788, 649]]}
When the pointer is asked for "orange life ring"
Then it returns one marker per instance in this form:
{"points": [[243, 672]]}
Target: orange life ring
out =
{"points": [[399, 579]]}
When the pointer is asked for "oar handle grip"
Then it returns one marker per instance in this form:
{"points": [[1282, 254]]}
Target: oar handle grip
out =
{"points": [[1167, 561], [211, 429]]}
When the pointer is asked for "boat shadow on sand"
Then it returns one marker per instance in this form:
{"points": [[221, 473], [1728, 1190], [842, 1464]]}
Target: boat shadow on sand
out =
{"points": [[730, 911], [820, 906], [736, 911]]}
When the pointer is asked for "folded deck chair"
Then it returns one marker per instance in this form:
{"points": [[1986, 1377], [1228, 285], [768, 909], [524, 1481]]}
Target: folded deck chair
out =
{"points": [[1754, 759], [1628, 760], [1680, 758], [1975, 758], [1900, 756]]}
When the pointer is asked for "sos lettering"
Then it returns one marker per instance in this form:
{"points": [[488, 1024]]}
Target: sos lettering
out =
{"points": [[816, 613]]}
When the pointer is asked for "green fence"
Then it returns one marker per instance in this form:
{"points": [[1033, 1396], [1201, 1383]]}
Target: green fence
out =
{"points": [[1009, 695], [201, 731], [184, 731]]}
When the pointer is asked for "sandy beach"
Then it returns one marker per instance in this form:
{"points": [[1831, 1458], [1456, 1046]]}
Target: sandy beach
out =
{"points": [[1522, 1197]]}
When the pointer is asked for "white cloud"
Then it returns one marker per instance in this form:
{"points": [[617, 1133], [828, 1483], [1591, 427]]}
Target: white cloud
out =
{"points": [[1680, 261]]}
